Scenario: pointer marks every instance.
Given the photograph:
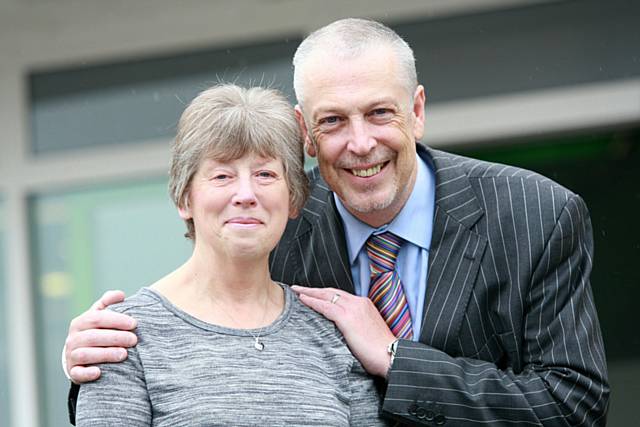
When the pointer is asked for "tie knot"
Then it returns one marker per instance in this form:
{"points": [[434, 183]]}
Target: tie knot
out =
{"points": [[383, 250]]}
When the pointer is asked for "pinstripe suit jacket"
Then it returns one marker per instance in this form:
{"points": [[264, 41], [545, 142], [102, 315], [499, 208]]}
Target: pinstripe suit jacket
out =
{"points": [[510, 333]]}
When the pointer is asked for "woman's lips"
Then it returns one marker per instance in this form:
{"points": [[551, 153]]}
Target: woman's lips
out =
{"points": [[243, 221]]}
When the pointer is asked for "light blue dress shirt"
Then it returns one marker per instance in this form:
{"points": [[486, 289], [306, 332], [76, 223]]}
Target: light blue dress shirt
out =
{"points": [[414, 224]]}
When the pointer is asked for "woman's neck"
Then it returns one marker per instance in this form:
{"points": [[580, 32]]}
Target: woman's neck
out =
{"points": [[228, 292]]}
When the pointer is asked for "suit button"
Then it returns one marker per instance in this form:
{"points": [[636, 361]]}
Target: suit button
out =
{"points": [[421, 413], [440, 420], [429, 416], [412, 409]]}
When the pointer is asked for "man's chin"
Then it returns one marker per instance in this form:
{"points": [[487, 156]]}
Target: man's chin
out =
{"points": [[369, 205]]}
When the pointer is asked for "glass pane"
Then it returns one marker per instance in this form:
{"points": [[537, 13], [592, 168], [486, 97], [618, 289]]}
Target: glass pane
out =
{"points": [[86, 242], [139, 100], [4, 353]]}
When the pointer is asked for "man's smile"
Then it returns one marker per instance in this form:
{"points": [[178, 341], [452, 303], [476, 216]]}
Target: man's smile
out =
{"points": [[369, 171]]}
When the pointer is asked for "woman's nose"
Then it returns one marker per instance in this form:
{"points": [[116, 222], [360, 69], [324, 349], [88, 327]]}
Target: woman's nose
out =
{"points": [[245, 195]]}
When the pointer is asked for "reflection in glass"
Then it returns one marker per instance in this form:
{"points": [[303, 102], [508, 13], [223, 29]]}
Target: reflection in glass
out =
{"points": [[134, 101], [84, 243]]}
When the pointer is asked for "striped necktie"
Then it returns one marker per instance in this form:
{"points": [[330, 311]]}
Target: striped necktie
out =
{"points": [[386, 290]]}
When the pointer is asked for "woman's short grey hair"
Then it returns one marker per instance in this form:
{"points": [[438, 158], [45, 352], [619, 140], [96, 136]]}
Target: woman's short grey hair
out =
{"points": [[224, 123], [348, 38]]}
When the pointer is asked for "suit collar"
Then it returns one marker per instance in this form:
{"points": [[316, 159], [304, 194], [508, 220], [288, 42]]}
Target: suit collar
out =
{"points": [[454, 193]]}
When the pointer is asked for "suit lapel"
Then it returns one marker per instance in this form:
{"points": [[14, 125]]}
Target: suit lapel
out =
{"points": [[321, 243], [455, 252]]}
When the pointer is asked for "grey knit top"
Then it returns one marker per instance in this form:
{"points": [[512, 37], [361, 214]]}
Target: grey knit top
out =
{"points": [[186, 372]]}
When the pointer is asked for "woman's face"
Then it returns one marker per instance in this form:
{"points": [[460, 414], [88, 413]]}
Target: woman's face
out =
{"points": [[240, 207]]}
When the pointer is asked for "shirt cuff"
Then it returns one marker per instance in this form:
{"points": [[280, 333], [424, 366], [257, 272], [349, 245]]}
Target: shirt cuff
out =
{"points": [[64, 363]]}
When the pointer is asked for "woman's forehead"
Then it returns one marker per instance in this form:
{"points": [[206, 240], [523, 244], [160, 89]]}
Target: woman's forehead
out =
{"points": [[250, 157]]}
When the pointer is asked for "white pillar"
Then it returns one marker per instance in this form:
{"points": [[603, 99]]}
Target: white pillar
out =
{"points": [[22, 367]]}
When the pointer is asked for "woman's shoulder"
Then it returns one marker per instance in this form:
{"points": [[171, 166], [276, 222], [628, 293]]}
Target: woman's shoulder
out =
{"points": [[143, 301], [304, 315]]}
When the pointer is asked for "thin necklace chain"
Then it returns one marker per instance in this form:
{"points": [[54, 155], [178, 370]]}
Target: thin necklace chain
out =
{"points": [[257, 344]]}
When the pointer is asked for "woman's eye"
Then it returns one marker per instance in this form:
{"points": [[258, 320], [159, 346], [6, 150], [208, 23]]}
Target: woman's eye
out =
{"points": [[220, 177], [266, 174]]}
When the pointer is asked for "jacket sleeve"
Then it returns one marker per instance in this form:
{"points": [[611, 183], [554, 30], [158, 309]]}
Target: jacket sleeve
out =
{"points": [[72, 400], [562, 380]]}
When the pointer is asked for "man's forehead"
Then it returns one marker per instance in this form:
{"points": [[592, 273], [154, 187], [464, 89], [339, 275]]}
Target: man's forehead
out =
{"points": [[349, 96], [340, 104]]}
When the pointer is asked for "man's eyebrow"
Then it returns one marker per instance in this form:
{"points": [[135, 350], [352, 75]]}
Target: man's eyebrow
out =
{"points": [[324, 110], [382, 101], [328, 109]]}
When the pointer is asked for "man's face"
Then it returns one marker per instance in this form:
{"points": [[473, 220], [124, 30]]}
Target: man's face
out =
{"points": [[362, 124]]}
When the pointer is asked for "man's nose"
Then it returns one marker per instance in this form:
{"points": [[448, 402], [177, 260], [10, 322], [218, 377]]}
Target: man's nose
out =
{"points": [[361, 142], [245, 195]]}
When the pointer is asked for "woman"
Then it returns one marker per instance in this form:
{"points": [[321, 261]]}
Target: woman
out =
{"points": [[220, 343]]}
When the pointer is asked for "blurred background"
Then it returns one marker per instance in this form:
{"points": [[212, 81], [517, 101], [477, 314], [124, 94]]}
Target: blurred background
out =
{"points": [[90, 93]]}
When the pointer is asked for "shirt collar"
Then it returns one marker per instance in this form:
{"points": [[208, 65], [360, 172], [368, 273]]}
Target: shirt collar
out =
{"points": [[413, 224]]}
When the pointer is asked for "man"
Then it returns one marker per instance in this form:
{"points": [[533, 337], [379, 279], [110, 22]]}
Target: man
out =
{"points": [[463, 284]]}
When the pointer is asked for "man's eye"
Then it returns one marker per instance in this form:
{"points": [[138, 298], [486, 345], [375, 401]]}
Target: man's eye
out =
{"points": [[220, 177], [380, 111], [329, 120]]}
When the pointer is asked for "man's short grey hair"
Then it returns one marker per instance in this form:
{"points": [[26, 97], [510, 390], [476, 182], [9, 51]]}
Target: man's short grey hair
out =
{"points": [[226, 122], [348, 38]]}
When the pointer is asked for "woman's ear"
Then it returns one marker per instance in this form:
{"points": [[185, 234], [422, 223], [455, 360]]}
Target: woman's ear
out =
{"points": [[185, 208], [293, 213]]}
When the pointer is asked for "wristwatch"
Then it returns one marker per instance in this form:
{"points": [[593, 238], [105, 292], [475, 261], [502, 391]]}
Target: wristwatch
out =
{"points": [[391, 349]]}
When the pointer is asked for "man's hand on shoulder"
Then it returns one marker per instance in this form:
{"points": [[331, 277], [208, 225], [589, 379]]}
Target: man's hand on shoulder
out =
{"points": [[364, 330], [97, 336]]}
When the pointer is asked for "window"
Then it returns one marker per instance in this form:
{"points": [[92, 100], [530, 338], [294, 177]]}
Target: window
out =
{"points": [[141, 100], [85, 242]]}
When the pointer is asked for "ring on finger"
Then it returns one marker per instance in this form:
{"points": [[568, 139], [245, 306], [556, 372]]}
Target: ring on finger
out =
{"points": [[335, 298]]}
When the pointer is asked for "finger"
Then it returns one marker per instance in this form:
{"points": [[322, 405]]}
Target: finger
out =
{"points": [[101, 338], [94, 355], [326, 308], [107, 299], [320, 293], [102, 319], [83, 374]]}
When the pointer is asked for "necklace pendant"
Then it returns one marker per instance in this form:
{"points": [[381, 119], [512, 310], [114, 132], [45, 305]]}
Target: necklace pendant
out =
{"points": [[258, 345]]}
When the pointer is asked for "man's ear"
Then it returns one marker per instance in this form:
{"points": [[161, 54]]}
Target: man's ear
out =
{"points": [[308, 142], [419, 101]]}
